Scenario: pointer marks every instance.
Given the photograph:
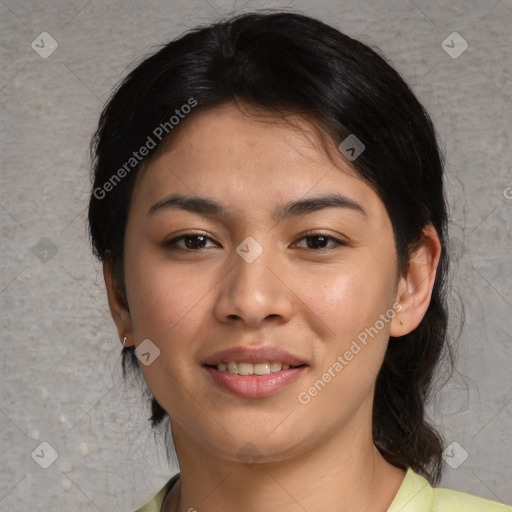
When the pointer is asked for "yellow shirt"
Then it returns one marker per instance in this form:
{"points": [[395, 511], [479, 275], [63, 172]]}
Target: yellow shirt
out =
{"points": [[414, 495]]}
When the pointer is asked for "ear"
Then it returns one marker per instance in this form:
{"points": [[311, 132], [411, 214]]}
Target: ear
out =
{"points": [[415, 288], [118, 309]]}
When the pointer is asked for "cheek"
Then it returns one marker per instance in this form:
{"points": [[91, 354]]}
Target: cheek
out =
{"points": [[349, 297], [162, 293], [166, 300], [348, 360], [350, 301], [168, 307]]}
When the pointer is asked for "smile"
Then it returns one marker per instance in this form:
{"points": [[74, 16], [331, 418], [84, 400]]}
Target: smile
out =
{"points": [[247, 383], [243, 368]]}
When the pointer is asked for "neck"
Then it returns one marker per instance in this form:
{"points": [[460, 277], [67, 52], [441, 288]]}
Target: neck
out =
{"points": [[345, 473]]}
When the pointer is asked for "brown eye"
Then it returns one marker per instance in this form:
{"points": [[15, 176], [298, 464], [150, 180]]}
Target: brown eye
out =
{"points": [[191, 241], [318, 241]]}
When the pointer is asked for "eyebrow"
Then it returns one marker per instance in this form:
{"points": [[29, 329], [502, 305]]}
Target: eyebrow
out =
{"points": [[207, 206]]}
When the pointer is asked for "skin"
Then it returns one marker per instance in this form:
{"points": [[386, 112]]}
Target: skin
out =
{"points": [[309, 301]]}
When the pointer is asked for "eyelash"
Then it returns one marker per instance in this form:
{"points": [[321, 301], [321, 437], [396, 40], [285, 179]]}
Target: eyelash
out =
{"points": [[170, 244]]}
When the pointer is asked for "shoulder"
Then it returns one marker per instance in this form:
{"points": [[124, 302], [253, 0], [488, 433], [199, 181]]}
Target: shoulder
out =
{"points": [[448, 500], [416, 495], [155, 504]]}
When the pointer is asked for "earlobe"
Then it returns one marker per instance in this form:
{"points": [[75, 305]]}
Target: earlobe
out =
{"points": [[118, 309], [415, 287]]}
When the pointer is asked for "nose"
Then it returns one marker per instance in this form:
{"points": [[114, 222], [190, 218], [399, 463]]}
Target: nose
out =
{"points": [[255, 292]]}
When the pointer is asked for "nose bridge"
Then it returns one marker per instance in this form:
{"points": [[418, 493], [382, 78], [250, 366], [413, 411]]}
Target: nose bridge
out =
{"points": [[252, 290], [251, 275]]}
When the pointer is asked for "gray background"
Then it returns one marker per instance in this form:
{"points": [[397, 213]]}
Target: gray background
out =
{"points": [[60, 367]]}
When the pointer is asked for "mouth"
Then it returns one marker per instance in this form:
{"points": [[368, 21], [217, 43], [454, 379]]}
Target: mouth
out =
{"points": [[253, 372], [253, 380], [254, 369]]}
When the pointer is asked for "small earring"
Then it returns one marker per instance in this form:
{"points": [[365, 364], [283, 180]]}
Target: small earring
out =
{"points": [[124, 342]]}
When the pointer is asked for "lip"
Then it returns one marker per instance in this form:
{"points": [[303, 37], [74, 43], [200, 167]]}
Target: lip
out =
{"points": [[255, 386], [253, 355]]}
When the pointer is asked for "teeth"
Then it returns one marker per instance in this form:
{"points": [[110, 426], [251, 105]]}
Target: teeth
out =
{"points": [[245, 368], [275, 367], [240, 368], [262, 368], [232, 368]]}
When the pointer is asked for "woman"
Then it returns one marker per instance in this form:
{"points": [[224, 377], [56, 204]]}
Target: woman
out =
{"points": [[268, 206]]}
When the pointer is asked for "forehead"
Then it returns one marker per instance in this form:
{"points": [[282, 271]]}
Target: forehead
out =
{"points": [[231, 132], [246, 153]]}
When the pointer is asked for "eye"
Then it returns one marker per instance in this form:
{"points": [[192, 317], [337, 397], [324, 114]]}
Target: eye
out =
{"points": [[317, 241], [192, 241]]}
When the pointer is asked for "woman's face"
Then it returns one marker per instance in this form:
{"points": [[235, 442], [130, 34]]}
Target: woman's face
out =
{"points": [[313, 281]]}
